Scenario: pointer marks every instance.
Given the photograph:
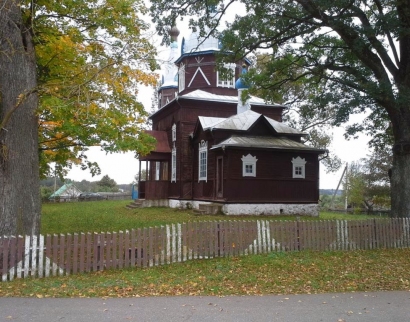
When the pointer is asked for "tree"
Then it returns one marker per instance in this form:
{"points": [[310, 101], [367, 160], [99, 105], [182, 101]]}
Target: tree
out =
{"points": [[69, 77], [107, 184], [367, 184], [355, 51], [91, 58], [19, 176]]}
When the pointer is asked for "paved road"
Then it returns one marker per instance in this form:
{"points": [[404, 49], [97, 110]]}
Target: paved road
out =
{"points": [[349, 307]]}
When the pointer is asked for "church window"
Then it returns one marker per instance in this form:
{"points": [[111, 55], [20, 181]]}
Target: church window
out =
{"points": [[174, 132], [228, 78], [298, 168], [249, 166], [181, 78], [203, 161], [174, 165]]}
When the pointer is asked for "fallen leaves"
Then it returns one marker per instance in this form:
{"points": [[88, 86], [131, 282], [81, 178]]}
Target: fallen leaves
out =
{"points": [[304, 272]]}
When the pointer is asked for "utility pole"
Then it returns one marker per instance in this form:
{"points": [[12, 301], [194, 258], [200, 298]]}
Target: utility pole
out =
{"points": [[337, 189]]}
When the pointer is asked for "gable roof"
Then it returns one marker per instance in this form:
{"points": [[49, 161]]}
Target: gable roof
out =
{"points": [[279, 143], [64, 188], [243, 122]]}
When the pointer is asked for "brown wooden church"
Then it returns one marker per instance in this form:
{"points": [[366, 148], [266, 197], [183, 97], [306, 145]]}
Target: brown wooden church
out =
{"points": [[213, 148]]}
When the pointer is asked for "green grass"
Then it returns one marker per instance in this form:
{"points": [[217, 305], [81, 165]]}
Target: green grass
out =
{"points": [[275, 273], [105, 216]]}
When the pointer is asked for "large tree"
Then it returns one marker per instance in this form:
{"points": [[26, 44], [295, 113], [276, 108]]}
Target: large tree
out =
{"points": [[355, 51], [69, 77], [19, 176]]}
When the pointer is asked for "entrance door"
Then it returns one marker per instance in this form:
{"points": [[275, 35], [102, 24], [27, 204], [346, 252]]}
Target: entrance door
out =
{"points": [[219, 177]]}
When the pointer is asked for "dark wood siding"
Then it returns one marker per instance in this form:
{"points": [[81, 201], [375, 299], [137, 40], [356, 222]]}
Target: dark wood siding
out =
{"points": [[271, 112], [273, 181], [156, 190]]}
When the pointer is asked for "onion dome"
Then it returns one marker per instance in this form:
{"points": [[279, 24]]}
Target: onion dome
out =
{"points": [[240, 83], [174, 33], [197, 44]]}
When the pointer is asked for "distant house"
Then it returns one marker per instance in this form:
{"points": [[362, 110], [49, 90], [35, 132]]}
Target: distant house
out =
{"points": [[67, 192]]}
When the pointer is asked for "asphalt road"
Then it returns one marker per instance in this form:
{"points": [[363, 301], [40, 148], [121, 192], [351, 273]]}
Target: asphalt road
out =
{"points": [[347, 307]]}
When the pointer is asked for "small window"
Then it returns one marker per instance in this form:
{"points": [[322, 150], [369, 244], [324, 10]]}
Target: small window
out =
{"points": [[203, 161], [298, 167], [174, 165], [181, 78], [174, 132], [249, 166], [229, 79]]}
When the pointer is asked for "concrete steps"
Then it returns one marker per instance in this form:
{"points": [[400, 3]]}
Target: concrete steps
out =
{"points": [[208, 209], [135, 204]]}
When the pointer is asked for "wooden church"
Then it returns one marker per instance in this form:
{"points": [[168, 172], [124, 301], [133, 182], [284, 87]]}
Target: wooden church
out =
{"points": [[215, 149]]}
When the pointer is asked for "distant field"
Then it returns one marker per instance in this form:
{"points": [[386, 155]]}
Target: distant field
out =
{"points": [[113, 216]]}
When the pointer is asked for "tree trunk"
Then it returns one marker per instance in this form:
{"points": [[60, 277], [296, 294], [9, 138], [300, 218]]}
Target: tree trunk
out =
{"points": [[19, 166], [400, 181]]}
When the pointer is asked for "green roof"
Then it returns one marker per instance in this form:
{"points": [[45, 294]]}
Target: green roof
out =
{"points": [[60, 191]]}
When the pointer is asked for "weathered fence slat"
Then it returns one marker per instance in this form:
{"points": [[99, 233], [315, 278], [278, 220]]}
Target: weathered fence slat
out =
{"points": [[4, 252]]}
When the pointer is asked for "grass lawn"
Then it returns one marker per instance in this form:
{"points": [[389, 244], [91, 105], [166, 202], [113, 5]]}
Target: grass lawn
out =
{"points": [[275, 273], [107, 216]]}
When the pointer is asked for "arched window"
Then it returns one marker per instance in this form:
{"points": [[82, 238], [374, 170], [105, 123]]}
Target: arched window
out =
{"points": [[203, 161]]}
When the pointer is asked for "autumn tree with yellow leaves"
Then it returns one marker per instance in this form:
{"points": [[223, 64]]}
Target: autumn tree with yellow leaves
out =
{"points": [[69, 76]]}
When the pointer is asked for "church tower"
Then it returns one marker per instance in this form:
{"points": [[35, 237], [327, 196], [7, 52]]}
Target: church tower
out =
{"points": [[169, 83]]}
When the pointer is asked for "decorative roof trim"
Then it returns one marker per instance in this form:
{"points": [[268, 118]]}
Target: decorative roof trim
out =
{"points": [[205, 52], [200, 70]]}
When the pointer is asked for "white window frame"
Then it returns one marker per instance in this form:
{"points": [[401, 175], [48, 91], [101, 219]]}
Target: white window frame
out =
{"points": [[249, 161], [226, 82], [174, 165], [203, 161], [174, 132], [298, 167], [181, 78]]}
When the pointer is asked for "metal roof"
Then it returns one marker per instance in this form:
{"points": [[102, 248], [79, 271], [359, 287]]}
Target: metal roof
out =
{"points": [[240, 122], [64, 188], [243, 121], [162, 145], [206, 96], [282, 128], [209, 122], [279, 143]]}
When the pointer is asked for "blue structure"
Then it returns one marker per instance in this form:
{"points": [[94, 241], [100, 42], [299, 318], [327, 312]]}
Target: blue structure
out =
{"points": [[134, 194]]}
